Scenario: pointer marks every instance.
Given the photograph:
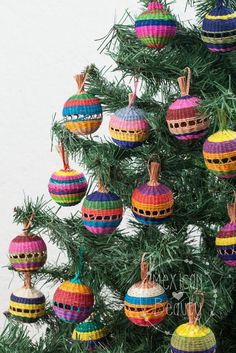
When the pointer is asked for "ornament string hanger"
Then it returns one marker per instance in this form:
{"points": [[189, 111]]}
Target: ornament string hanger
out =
{"points": [[80, 267], [184, 82], [154, 169], [64, 155], [133, 95], [232, 210], [81, 79], [191, 309], [144, 269], [27, 280], [101, 186], [27, 224], [220, 3]]}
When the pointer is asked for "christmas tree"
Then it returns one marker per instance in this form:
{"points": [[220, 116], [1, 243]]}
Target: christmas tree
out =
{"points": [[179, 254]]}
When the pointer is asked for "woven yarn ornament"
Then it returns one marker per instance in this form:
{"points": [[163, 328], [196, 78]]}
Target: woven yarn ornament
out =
{"points": [[152, 202], [82, 111], [219, 152], [156, 26], [219, 29], [226, 238], [102, 211], [27, 304], [67, 187], [92, 334], [191, 337], [128, 126], [73, 301], [146, 303], [27, 252], [183, 117]]}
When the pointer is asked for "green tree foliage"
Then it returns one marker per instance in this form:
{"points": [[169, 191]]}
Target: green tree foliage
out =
{"points": [[112, 262]]}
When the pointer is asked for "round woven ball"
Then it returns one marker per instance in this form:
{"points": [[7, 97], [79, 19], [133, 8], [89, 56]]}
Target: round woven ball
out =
{"points": [[226, 244], [102, 212], [156, 26], [83, 113], [67, 187], [152, 204], [27, 252], [27, 304], [128, 127], [184, 120], [219, 152], [92, 334], [73, 301], [219, 29], [146, 303], [189, 338]]}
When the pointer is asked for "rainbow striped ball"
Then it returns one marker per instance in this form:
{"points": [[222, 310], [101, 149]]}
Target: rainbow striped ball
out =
{"points": [[92, 334], [73, 301], [189, 338], [27, 252], [152, 204], [226, 244], [67, 187], [146, 303], [219, 152], [83, 114], [219, 30], [102, 212], [156, 26], [128, 127], [184, 120], [27, 305]]}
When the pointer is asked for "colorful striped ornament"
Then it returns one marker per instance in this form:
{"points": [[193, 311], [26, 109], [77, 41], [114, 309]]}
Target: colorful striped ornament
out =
{"points": [[102, 212], [152, 202], [156, 26], [146, 303], [226, 238], [128, 126], [183, 117], [82, 111], [219, 29], [193, 338], [27, 252], [27, 305], [219, 152], [91, 334], [73, 301], [67, 187]]}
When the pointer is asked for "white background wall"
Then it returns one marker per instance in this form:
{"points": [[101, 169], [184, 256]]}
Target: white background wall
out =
{"points": [[43, 43]]}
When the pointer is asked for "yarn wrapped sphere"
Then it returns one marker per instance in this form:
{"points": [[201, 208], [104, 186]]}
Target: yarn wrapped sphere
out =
{"points": [[92, 334], [73, 301], [102, 212], [184, 120], [192, 338], [27, 252], [27, 305], [83, 113], [156, 26], [67, 187], [152, 202], [146, 303], [219, 152], [128, 127], [226, 244], [219, 29]]}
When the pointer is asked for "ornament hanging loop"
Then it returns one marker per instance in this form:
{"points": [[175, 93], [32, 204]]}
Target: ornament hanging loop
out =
{"points": [[64, 155], [27, 280], [81, 79], [144, 268], [133, 95], [231, 207], [101, 186], [154, 172], [191, 309], [220, 3], [184, 83], [27, 224]]}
